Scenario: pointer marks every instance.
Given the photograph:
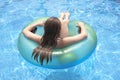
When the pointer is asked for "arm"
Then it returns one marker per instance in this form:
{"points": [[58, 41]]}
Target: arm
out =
{"points": [[77, 38], [27, 31]]}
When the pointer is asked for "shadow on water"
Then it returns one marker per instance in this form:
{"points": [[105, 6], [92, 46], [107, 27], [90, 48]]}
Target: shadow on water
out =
{"points": [[63, 75]]}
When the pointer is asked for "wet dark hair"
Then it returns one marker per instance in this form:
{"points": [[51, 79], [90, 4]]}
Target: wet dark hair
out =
{"points": [[52, 29]]}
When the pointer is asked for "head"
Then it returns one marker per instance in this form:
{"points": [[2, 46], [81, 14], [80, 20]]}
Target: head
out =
{"points": [[52, 29]]}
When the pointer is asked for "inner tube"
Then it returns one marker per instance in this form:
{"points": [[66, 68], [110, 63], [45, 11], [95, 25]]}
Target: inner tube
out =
{"points": [[63, 57]]}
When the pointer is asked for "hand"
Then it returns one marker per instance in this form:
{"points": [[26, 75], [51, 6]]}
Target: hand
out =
{"points": [[80, 24], [40, 23]]}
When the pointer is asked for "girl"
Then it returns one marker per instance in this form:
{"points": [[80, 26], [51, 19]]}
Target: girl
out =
{"points": [[55, 35]]}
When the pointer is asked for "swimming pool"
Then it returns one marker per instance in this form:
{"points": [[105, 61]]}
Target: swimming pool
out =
{"points": [[102, 15]]}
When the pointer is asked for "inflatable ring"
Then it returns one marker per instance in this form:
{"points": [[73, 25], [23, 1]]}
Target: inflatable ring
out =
{"points": [[64, 57]]}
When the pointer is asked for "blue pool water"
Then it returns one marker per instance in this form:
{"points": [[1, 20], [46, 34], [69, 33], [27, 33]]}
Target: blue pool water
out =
{"points": [[102, 15]]}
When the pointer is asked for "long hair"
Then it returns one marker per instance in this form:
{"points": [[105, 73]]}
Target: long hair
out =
{"points": [[52, 29]]}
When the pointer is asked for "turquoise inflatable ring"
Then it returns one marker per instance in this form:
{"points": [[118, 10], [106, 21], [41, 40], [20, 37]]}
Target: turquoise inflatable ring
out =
{"points": [[64, 57]]}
